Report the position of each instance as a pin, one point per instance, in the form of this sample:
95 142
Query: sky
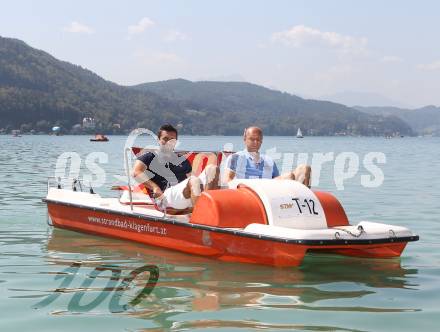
380 51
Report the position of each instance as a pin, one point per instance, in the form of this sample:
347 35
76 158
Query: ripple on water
327 293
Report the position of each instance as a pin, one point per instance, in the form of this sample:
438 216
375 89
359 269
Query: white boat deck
112 204
362 231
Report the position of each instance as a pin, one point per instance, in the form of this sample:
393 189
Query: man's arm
231 168
139 175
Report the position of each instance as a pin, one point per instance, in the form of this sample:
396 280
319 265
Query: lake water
58 280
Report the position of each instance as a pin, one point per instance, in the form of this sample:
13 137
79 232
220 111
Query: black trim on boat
239 232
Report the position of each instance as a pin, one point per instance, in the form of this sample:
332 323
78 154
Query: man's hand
228 176
157 193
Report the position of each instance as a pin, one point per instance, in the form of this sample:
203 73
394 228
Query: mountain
34 86
366 99
423 121
38 91
232 106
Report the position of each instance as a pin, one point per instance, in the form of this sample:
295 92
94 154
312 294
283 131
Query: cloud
76 27
391 58
175 35
430 66
141 26
301 36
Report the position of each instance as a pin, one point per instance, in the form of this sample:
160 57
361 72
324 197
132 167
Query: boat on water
56 131
299 133
99 138
270 222
16 133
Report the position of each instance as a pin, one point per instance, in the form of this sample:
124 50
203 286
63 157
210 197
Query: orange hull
223 244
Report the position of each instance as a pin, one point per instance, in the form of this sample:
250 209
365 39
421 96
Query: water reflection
190 283
213 324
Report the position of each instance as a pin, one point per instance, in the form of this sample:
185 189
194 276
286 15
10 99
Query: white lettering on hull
128 225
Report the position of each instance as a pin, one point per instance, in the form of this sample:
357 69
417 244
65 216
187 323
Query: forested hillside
38 91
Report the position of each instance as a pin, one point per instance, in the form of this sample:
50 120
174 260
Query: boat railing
77 183
127 151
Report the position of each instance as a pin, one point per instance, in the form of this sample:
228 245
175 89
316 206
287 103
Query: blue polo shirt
243 164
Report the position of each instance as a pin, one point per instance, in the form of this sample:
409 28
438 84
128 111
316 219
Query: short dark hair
166 127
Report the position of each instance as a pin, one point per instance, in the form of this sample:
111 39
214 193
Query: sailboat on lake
299 133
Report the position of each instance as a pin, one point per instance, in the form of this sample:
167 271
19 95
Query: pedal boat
270 222
99 138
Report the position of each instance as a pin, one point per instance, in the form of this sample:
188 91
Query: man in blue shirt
250 164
